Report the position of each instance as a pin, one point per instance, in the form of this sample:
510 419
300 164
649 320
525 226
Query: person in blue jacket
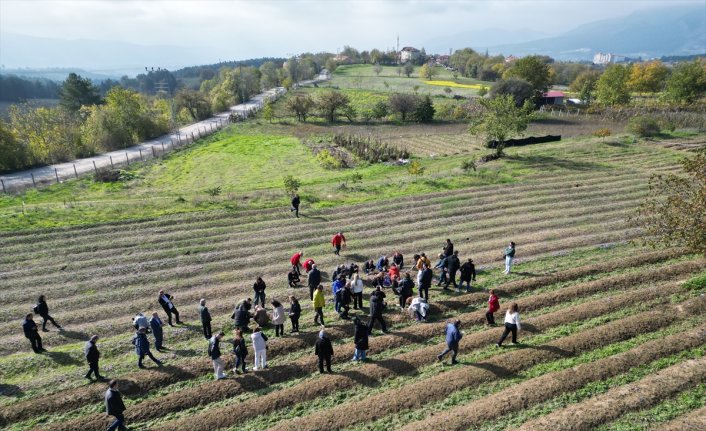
337 285
453 337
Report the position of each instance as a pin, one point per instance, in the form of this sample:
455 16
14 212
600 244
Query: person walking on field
313 281
357 290
205 317
278 317
493 306
442 266
453 337
296 260
259 287
324 350
377 301
425 278
509 254
214 352
156 326
43 310
31 331
406 290
259 344
452 265
240 350
140 321
448 248
360 340
512 324
295 205
319 303
142 348
90 351
114 406
468 274
295 311
166 301
338 241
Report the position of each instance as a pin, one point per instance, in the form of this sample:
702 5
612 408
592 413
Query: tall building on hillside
604 58
409 53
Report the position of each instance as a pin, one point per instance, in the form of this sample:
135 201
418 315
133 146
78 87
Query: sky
246 29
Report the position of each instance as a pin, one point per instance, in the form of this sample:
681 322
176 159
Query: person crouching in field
509 255
453 337
493 306
512 324
259 344
295 311
278 317
240 350
293 278
295 260
241 315
142 348
324 350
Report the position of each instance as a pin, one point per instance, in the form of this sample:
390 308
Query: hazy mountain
109 58
481 39
678 30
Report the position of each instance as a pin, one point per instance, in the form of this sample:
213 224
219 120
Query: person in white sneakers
512 324
509 254
259 344
214 351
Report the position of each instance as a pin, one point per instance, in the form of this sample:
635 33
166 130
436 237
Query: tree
330 102
428 72
585 85
13 155
268 112
532 69
300 105
612 86
424 110
647 77
50 135
377 69
674 212
500 120
402 104
379 110
269 77
291 184
77 91
518 88
331 65
408 69
687 82
194 102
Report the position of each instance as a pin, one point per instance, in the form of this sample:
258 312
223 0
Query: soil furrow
693 421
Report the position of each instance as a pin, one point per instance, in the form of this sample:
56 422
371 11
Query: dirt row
693 421
548 386
137 383
645 393
213 391
373 373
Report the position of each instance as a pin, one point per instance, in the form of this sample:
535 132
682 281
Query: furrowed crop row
550 385
143 382
435 388
694 421
603 408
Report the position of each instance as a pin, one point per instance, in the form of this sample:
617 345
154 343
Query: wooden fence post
162 146
127 159
192 137
33 182
75 171
3 185
95 168
56 173
111 162
154 155
140 150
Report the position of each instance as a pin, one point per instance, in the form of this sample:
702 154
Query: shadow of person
10 390
63 358
74 335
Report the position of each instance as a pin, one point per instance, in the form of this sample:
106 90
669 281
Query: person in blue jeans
335 287
360 339
114 406
453 337
259 288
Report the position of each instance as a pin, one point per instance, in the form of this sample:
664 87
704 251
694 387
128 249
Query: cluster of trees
16 89
377 56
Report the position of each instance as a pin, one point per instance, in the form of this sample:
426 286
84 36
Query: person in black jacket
259 287
295 311
165 300
377 300
425 282
293 278
295 205
313 281
468 274
324 350
242 315
43 310
240 350
92 355
114 406
157 332
452 264
214 352
32 333
406 290
398 259
205 317
344 300
360 340
448 248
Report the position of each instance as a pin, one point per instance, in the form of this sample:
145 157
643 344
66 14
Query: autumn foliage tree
647 77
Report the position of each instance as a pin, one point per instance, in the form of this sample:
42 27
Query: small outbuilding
552 98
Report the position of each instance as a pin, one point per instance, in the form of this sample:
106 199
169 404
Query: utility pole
162 90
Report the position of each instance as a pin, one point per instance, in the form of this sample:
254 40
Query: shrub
482 91
327 160
356 177
602 133
107 175
469 165
696 283
291 184
415 168
213 191
643 126
369 149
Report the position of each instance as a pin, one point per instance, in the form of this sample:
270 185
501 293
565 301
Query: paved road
51 174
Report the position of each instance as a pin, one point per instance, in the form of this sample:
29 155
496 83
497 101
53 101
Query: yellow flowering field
454 84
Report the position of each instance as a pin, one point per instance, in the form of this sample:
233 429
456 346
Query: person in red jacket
394 271
296 261
308 264
338 241
493 306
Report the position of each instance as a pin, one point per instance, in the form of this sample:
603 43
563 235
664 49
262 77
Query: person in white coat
278 317
259 344
357 289
512 324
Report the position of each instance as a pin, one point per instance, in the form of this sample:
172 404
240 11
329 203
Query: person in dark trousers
360 340
452 265
319 302
338 241
368 267
205 317
468 274
313 281
259 287
453 336
295 205
448 248
493 306
293 278
398 259
31 331
295 311
114 406
241 315
142 348
296 261
357 291
165 300
278 317
324 350
240 350
156 326
90 351
344 300
441 265
512 324
425 282
377 301
43 310
406 290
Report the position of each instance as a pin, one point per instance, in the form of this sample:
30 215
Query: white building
408 53
604 58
